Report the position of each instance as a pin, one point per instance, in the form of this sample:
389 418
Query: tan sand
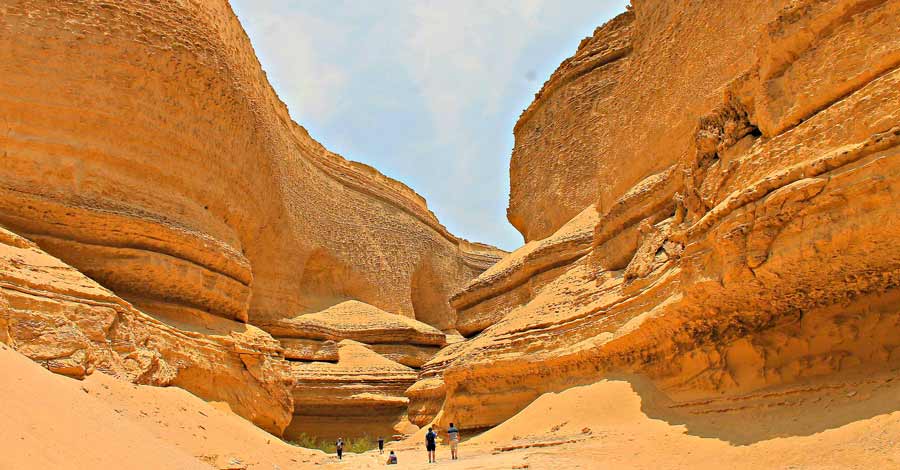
54 422
603 426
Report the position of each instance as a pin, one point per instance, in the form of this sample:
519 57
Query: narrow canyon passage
708 195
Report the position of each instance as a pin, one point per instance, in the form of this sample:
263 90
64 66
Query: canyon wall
55 315
564 135
731 232
143 147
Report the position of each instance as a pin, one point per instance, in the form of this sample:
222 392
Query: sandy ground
53 422
603 426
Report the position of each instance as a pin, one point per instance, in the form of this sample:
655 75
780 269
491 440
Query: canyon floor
604 425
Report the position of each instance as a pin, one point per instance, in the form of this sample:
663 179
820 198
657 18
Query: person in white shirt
453 434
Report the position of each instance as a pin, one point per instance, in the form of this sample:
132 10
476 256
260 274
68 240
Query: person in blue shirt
392 459
453 434
431 445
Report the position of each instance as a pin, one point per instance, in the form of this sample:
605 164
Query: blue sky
425 91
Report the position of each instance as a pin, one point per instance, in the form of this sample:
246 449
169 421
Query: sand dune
55 422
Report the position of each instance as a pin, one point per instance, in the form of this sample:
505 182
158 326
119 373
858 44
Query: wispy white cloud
288 45
466 51
427 91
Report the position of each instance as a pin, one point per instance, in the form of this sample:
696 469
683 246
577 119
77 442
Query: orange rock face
564 135
352 364
741 240
143 147
65 321
362 392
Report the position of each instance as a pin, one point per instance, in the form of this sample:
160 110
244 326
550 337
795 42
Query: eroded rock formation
352 364
143 146
731 232
362 391
55 315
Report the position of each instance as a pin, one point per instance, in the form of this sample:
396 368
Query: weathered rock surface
357 321
512 281
143 146
362 391
709 193
314 336
65 321
564 135
748 201
352 365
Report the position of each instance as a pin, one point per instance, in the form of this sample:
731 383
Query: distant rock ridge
362 392
369 180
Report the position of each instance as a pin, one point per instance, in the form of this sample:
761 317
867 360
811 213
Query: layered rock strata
55 315
314 336
745 245
562 137
352 364
144 146
361 393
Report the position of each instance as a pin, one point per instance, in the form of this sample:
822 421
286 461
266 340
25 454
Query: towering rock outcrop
58 317
564 136
143 146
741 244
146 136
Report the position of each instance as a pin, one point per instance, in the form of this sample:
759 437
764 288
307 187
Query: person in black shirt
431 445
381 444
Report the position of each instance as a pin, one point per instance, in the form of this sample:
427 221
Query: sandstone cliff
65 321
144 148
721 217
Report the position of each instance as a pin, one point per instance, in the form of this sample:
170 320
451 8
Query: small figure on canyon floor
431 445
453 434
381 444
392 459
339 445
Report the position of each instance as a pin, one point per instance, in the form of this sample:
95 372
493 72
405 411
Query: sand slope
603 426
54 422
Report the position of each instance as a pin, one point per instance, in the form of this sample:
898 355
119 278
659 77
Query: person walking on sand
339 445
392 459
431 445
453 434
381 445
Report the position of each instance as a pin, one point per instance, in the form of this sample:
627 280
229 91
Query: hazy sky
427 92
